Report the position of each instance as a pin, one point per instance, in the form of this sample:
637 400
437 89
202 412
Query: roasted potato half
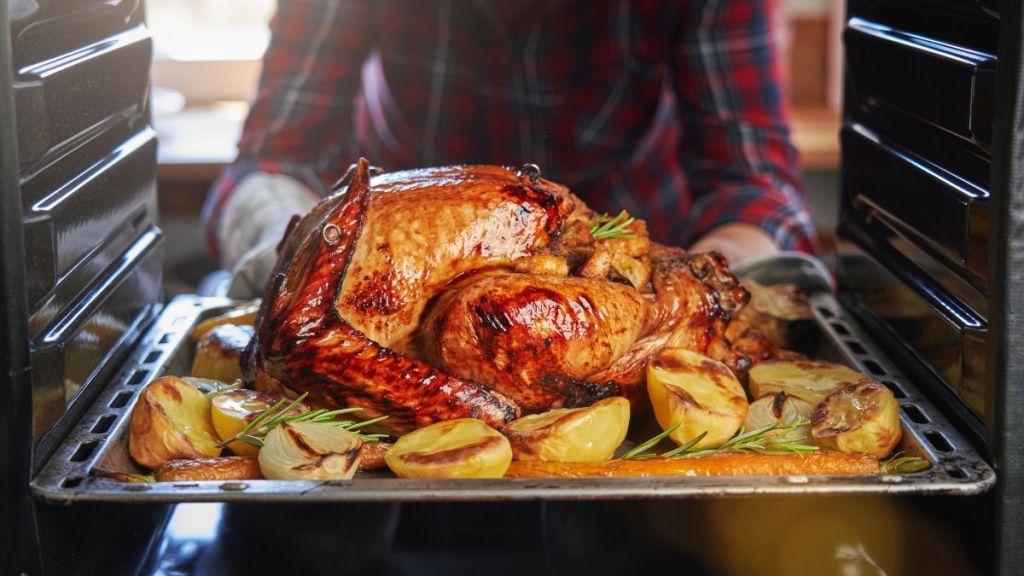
811 380
205 469
862 418
588 434
784 409
461 448
171 421
219 352
700 394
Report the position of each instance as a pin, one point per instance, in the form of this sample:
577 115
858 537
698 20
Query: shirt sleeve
300 123
735 144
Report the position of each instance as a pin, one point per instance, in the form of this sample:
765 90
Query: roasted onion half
309 451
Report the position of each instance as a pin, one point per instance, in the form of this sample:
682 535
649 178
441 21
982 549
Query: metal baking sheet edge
957 470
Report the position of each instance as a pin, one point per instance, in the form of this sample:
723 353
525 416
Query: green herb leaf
233 386
904 465
366 423
753 441
637 453
686 446
255 431
251 440
605 227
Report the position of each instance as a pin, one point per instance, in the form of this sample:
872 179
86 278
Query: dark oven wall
916 152
87 158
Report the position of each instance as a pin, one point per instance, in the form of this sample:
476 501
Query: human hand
737 242
252 224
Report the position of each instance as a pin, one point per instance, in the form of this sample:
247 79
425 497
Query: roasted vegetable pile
791 416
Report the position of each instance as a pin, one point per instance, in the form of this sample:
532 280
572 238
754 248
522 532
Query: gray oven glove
251 226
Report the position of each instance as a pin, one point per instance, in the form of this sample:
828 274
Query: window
208 50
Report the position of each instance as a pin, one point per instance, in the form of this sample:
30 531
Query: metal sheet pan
100 440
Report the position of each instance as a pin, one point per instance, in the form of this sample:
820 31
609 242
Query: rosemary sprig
752 441
685 447
605 226
233 386
904 465
255 431
639 452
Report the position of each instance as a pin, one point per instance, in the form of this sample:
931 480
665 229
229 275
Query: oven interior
931 181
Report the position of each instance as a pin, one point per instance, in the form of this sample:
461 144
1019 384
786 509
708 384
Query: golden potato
862 418
206 469
811 380
244 315
700 394
784 409
171 421
219 352
461 448
588 434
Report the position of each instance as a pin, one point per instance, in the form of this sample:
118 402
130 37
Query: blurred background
207 63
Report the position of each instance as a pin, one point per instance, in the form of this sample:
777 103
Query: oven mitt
807 272
252 224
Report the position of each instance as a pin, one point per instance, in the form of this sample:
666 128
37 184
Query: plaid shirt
672 110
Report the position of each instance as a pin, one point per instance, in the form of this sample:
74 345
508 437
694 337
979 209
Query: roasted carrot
813 463
371 455
226 468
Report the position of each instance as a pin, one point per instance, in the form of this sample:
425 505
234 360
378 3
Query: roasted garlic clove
783 409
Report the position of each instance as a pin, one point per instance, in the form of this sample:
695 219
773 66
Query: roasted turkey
477 291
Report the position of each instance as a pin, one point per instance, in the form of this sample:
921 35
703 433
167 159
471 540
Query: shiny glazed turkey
476 291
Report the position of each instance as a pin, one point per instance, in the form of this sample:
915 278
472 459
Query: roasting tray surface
99 440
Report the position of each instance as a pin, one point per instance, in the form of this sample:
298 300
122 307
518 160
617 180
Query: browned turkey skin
477 291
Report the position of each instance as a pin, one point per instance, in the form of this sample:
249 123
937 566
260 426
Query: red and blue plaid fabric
672 110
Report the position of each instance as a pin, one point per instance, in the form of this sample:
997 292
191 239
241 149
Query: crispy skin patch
377 294
535 338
